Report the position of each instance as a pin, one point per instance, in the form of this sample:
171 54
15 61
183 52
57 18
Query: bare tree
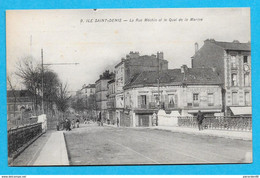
29 71
62 100
12 89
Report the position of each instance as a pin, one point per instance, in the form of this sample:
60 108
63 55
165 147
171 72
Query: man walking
200 118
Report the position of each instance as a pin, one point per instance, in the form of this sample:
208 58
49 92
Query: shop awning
246 110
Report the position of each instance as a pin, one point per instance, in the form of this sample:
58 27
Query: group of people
68 124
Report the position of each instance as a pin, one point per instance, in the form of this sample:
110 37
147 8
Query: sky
98 39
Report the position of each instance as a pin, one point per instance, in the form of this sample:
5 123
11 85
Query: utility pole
43 74
42 80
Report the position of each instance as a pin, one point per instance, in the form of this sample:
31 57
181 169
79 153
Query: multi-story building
232 62
88 90
127 69
111 101
101 93
186 90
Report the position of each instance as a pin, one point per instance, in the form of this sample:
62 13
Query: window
234 98
247 98
233 62
210 99
143 99
196 97
245 60
246 79
171 100
233 79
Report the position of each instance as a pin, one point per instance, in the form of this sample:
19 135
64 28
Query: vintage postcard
129 86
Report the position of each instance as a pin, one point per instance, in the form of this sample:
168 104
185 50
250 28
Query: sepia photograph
162 86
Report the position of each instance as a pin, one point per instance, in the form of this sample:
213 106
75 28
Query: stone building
185 90
232 62
88 90
127 69
111 101
101 93
19 105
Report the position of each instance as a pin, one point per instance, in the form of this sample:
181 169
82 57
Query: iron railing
18 137
236 123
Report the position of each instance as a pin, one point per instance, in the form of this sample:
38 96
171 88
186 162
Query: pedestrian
73 123
67 124
99 119
117 122
77 123
200 118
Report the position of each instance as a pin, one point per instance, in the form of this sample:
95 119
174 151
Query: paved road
93 145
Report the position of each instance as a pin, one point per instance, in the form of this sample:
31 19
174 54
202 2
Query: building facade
127 70
232 62
111 102
101 93
88 90
19 105
185 90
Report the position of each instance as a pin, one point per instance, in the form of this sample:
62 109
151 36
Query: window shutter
166 98
152 98
139 101
176 100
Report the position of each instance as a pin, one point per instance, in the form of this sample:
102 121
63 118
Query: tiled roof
199 76
234 45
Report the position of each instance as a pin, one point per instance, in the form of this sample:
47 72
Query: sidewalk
217 133
54 152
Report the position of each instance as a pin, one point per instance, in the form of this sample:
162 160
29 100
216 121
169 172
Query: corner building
232 62
126 70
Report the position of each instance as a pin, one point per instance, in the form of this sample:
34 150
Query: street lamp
48 64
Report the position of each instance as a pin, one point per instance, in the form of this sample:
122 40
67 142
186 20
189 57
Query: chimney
183 68
160 55
133 54
214 69
209 40
196 47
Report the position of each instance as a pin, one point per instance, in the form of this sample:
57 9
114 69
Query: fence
18 137
222 123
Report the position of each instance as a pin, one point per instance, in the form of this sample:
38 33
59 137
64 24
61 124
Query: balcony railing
219 123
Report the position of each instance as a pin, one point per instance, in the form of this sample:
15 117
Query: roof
234 45
198 76
19 93
91 86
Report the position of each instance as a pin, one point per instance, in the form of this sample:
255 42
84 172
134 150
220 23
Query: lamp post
48 64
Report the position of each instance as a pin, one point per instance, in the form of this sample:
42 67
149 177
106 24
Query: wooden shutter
176 100
139 101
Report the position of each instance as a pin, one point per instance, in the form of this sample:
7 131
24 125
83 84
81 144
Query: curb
67 152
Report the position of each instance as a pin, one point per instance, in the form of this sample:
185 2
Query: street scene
141 90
